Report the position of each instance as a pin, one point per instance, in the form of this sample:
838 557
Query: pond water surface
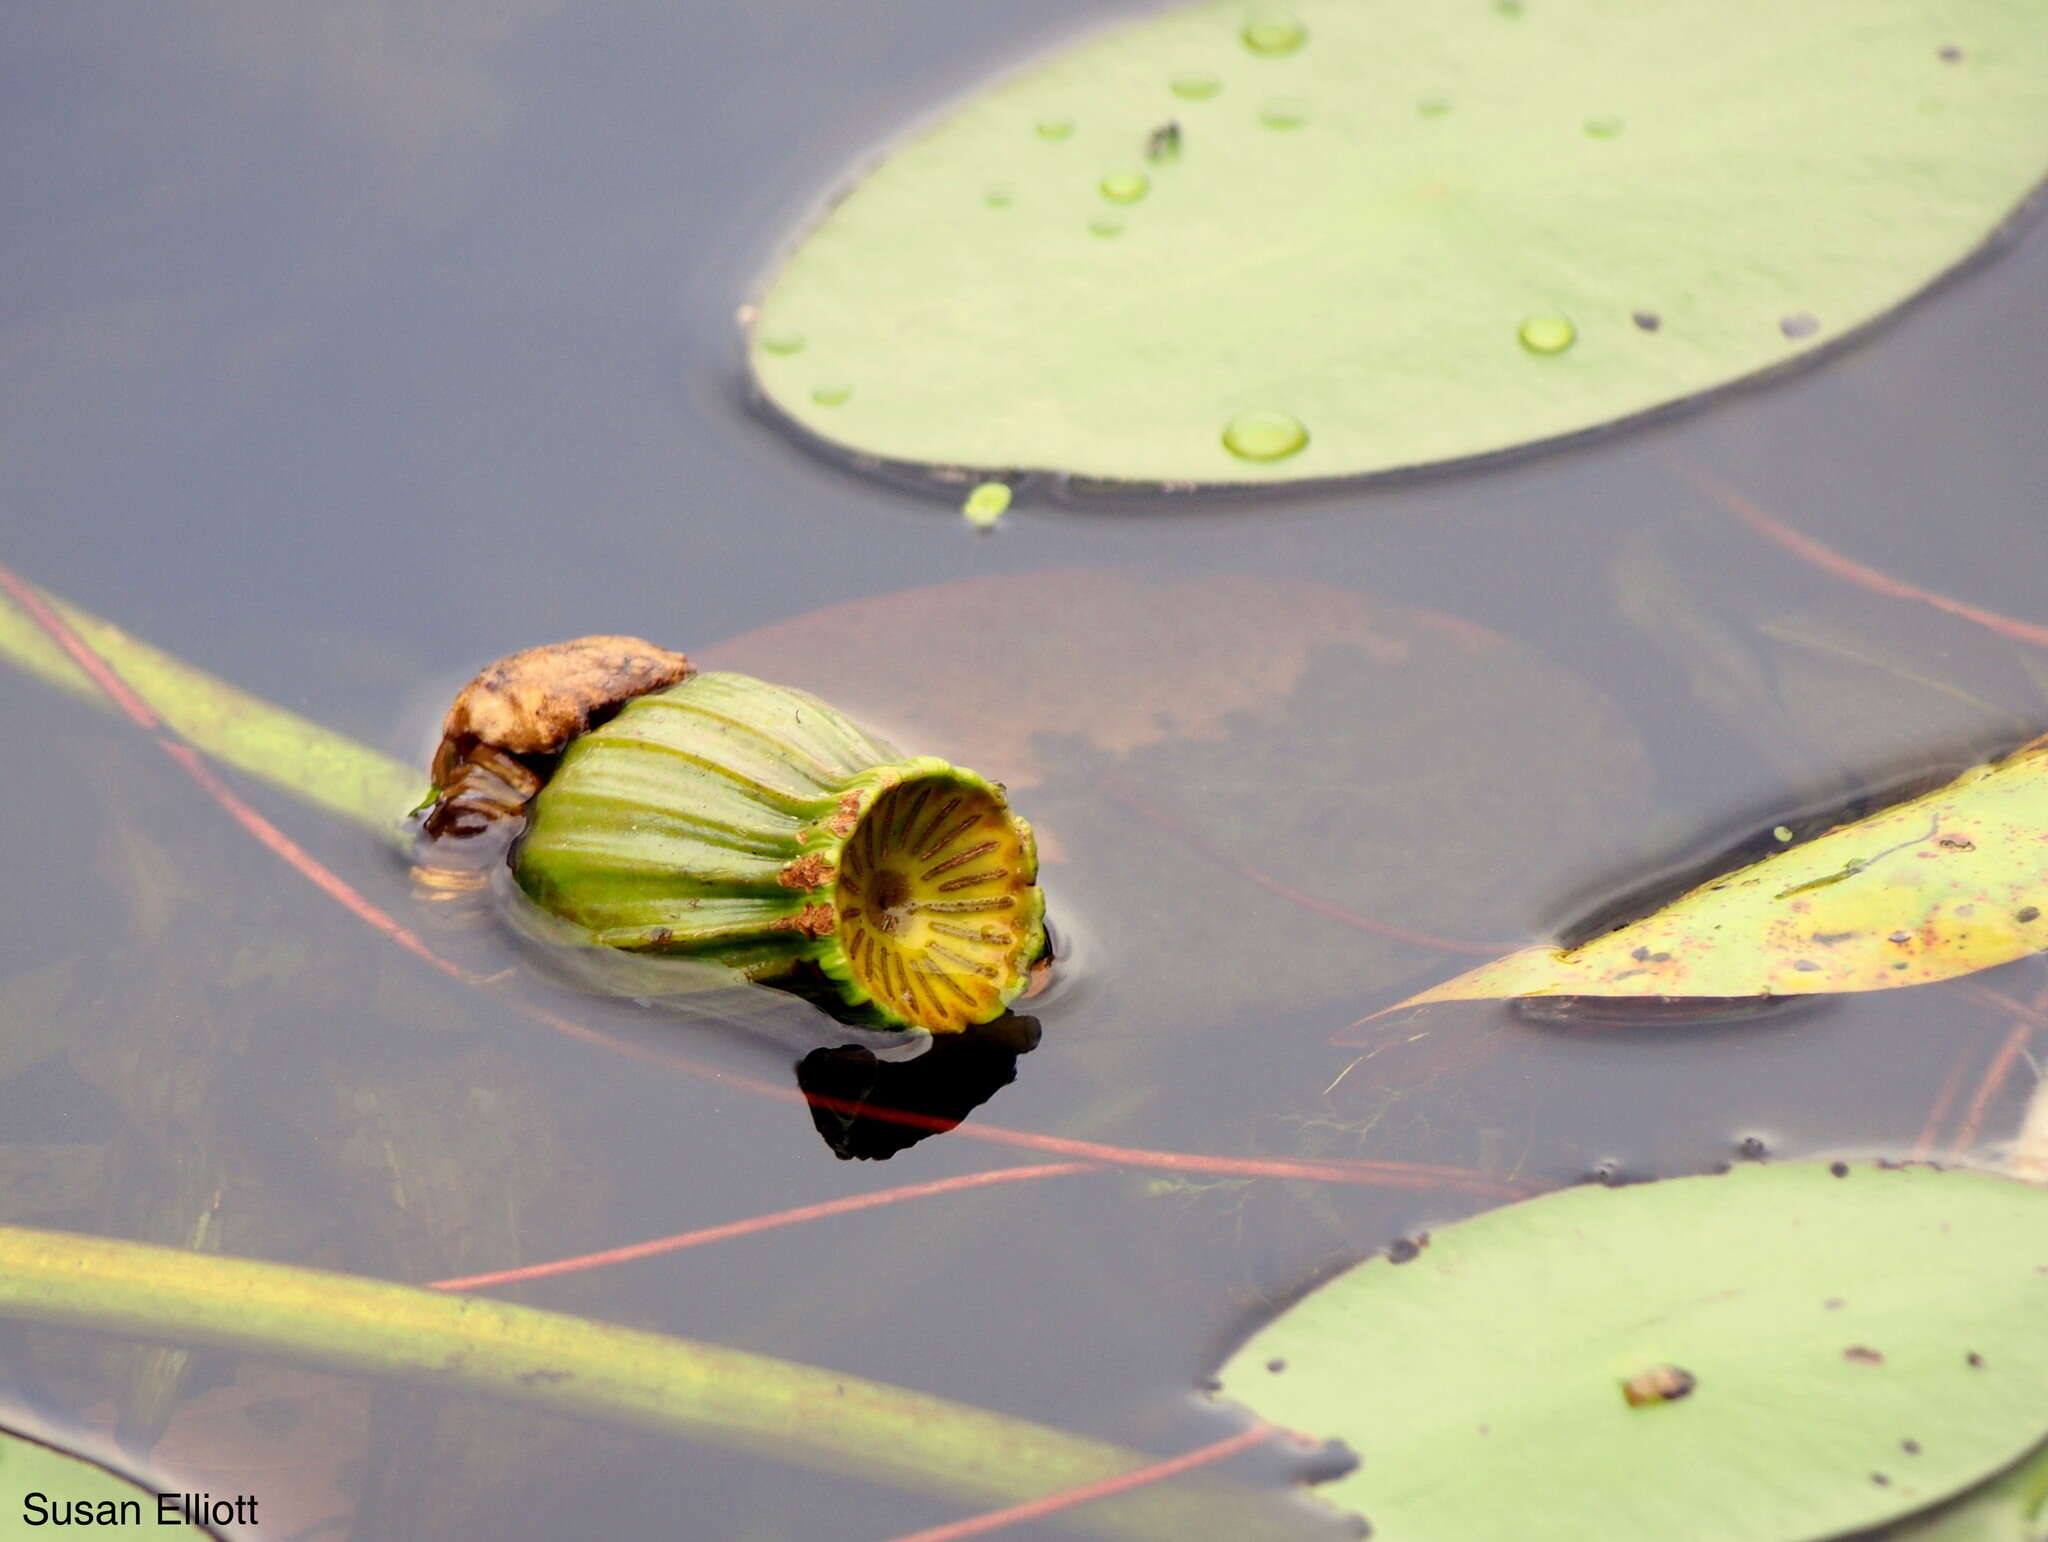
347 349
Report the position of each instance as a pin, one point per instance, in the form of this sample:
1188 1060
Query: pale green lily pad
1419 234
39 1481
1863 1346
2013 1509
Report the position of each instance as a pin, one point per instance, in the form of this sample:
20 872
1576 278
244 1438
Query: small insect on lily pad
1780 1354
1413 234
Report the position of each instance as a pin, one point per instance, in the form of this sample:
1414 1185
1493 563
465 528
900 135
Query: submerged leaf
1415 234
1941 885
1236 780
1779 1354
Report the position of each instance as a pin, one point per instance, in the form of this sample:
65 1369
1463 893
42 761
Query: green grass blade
316 765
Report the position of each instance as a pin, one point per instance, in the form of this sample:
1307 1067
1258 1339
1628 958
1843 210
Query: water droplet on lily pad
1604 128
782 342
1284 113
1264 435
1273 33
1125 186
1548 334
999 198
1366 175
986 505
1054 128
831 395
1799 324
1105 227
1507 7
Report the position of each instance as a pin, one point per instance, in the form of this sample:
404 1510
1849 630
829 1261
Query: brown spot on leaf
812 921
807 872
842 820
1862 1354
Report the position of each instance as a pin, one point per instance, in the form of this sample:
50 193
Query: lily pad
1232 245
56 1488
1837 1346
2009 1510
1938 886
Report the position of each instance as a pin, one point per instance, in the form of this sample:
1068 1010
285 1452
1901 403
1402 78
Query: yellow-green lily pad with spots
1941 885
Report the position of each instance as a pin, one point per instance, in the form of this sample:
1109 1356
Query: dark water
346 350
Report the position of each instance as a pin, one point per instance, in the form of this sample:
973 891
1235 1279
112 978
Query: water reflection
869 1108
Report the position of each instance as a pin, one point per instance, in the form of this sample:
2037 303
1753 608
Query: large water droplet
986 505
1054 128
1604 128
1264 435
1195 87
1548 334
1273 33
782 342
1125 186
1284 113
831 395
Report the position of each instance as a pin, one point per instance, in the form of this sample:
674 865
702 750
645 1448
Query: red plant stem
2037 1013
1296 896
144 717
2029 1017
1829 560
1930 1132
1088 1493
761 1223
1994 1078
1380 1174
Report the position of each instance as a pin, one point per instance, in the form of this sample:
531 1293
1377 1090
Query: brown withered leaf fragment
534 702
